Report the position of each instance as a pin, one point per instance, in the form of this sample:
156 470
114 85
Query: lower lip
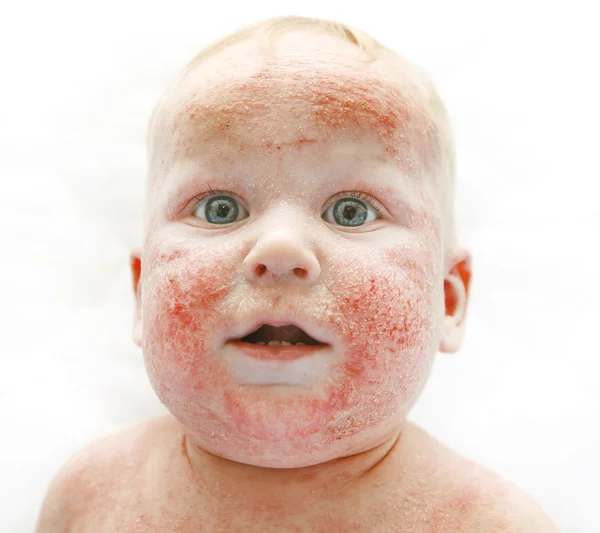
277 353
287 366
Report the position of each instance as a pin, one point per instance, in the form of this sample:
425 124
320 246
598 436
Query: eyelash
361 195
354 193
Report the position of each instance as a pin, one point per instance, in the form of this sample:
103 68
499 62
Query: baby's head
300 189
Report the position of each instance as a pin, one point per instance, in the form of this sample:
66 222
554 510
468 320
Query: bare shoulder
96 475
455 494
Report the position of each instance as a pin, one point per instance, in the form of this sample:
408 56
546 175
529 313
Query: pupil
349 212
222 210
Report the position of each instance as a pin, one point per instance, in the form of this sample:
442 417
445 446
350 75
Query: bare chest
159 495
124 514
235 523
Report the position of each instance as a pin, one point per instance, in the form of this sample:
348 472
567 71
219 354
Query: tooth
286 343
274 343
260 342
300 344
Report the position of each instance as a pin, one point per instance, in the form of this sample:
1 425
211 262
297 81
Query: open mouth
288 335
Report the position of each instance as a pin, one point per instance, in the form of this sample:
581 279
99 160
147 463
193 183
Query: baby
298 274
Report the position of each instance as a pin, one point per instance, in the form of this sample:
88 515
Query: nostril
301 273
260 270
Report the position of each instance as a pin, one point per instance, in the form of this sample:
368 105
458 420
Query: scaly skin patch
270 135
379 304
306 102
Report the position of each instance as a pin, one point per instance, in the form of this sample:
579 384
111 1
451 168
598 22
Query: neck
291 489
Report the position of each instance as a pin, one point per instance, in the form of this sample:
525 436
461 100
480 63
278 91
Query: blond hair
268 30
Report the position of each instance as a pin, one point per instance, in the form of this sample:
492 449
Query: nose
279 256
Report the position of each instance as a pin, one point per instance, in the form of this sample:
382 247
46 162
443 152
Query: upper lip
246 326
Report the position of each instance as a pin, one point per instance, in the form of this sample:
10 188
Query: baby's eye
220 209
350 212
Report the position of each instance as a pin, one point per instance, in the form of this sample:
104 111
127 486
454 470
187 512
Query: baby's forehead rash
321 102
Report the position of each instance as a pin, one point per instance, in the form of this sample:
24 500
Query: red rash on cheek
379 307
384 314
183 293
384 319
392 311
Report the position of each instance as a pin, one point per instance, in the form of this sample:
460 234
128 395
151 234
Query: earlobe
456 294
135 265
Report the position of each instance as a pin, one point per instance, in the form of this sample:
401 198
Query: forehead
300 97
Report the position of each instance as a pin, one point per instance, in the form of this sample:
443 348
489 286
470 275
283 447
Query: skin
287 136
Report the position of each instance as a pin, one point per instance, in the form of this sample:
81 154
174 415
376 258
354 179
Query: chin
301 453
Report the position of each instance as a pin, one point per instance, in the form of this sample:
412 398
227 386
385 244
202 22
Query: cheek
182 293
380 304
389 314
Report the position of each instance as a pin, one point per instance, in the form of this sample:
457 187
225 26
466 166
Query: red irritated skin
257 133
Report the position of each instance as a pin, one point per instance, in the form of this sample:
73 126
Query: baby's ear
456 292
135 264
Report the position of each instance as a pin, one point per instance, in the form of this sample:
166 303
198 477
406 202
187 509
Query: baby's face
290 192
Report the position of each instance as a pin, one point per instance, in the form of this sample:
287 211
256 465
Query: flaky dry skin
378 290
141 480
286 138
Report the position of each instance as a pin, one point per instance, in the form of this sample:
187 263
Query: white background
520 80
